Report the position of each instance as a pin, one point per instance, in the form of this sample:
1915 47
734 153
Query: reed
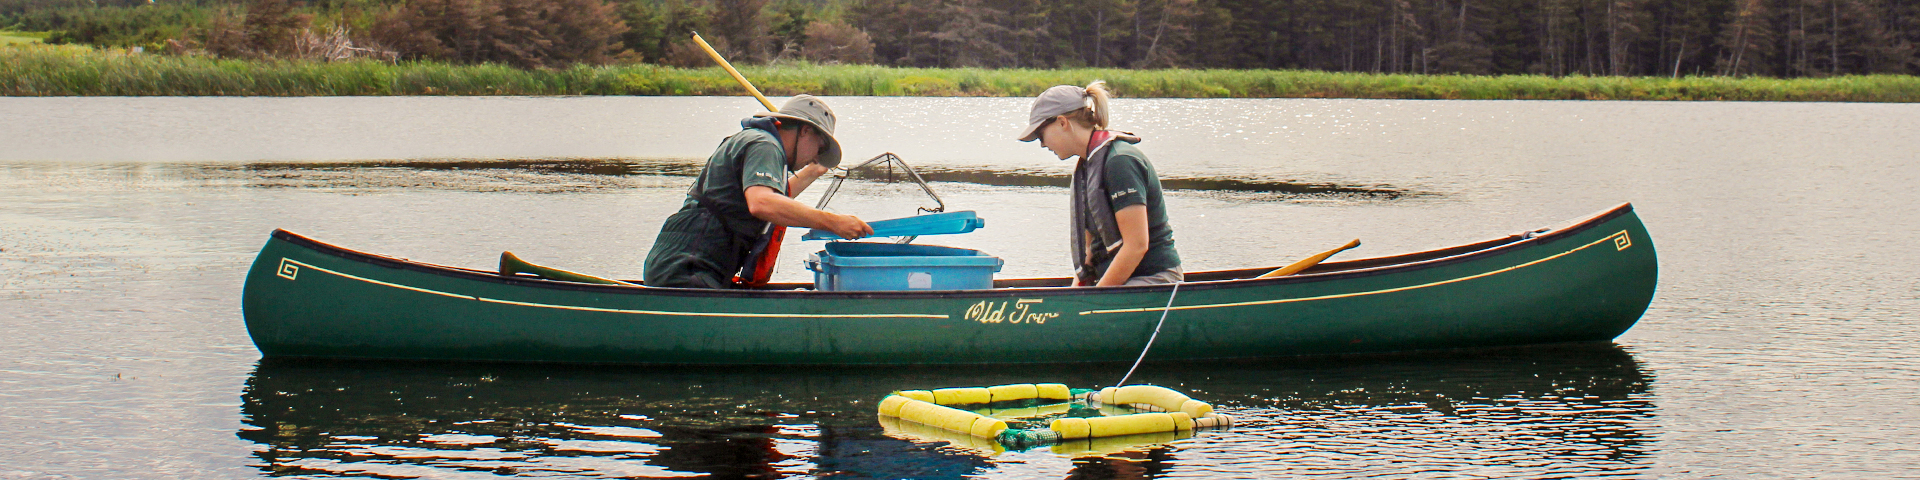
41 70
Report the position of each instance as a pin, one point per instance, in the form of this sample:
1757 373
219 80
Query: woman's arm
1133 245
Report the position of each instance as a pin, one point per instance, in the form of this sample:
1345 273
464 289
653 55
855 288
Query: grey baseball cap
1056 101
813 111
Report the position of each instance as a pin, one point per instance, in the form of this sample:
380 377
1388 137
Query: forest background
1773 38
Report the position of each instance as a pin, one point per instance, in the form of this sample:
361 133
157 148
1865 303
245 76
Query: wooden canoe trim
1362 263
1207 279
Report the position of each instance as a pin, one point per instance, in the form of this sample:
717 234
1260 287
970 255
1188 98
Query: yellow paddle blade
1296 267
511 265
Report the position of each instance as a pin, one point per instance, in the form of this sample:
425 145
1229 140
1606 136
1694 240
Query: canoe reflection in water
1536 411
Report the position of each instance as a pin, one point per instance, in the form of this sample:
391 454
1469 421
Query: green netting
1021 439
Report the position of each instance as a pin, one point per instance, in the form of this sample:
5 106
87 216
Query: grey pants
1171 275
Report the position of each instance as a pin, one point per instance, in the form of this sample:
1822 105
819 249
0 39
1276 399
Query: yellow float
1160 410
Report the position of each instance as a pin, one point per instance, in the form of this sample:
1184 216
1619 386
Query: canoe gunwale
1462 253
1334 271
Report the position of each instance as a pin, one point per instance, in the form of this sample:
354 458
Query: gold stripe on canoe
284 261
1619 240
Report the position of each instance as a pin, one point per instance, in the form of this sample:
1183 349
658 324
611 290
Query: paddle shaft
736 73
1303 264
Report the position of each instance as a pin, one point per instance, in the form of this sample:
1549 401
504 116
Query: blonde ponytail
1093 116
1098 90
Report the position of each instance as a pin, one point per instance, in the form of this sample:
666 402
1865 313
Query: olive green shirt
750 158
708 240
1130 181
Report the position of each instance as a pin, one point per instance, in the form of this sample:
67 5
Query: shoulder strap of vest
757 269
1095 232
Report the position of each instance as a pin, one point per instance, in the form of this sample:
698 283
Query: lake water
1781 342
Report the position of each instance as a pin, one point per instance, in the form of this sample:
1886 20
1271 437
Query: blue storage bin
852 266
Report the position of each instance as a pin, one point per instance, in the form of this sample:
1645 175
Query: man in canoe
745 186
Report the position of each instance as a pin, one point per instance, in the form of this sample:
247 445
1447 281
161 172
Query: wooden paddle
1303 264
761 262
736 73
511 265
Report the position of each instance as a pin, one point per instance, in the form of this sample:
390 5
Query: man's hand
805 177
767 204
847 226
812 171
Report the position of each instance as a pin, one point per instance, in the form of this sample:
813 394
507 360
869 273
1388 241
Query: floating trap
1027 415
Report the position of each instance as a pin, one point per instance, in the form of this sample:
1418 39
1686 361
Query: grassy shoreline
44 70
8 38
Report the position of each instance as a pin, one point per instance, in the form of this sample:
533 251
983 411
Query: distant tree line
1780 38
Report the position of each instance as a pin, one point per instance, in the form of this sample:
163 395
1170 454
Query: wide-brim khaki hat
813 111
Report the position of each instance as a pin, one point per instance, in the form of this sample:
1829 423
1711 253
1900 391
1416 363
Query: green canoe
1587 281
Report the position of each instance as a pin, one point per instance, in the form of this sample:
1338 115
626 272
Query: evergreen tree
970 35
1879 34
1745 40
1464 49
1168 34
741 26
788 25
1553 37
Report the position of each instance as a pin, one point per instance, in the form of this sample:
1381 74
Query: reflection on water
1545 411
566 175
1575 410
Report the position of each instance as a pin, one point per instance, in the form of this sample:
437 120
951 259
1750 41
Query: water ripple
1575 411
588 175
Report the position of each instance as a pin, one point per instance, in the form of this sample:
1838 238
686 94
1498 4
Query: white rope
1156 335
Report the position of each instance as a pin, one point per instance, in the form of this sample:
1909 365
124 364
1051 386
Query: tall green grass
42 70
16 38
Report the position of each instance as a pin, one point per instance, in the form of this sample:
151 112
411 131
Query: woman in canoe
1120 234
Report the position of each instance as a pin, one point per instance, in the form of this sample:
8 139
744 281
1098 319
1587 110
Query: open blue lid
936 224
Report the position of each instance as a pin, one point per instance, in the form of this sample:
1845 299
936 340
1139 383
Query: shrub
522 33
837 42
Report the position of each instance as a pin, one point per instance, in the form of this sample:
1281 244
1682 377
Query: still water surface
1781 343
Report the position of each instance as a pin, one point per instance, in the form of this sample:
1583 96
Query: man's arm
804 178
768 204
